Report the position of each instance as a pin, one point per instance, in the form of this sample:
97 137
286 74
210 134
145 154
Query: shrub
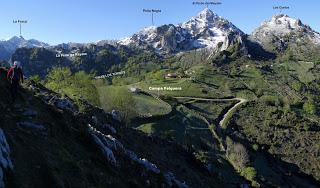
271 100
249 173
101 82
259 92
309 107
76 86
35 78
306 126
241 156
122 100
255 147
296 85
58 78
158 75
286 104
238 155
229 143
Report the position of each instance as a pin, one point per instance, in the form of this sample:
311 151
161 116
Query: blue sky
57 21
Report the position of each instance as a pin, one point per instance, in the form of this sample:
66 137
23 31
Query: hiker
15 75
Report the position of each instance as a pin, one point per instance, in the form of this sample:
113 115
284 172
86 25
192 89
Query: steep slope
206 30
98 59
209 30
7 47
38 60
51 144
282 32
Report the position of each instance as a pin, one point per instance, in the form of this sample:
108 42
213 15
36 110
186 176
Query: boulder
148 165
173 182
116 115
5 160
107 152
63 103
31 126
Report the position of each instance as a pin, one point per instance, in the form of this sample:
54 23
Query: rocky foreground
47 142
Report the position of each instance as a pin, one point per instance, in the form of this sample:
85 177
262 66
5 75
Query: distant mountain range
8 47
206 30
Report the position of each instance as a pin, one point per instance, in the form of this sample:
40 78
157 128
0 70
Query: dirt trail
225 116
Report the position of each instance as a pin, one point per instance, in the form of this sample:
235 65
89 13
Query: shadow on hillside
257 52
271 168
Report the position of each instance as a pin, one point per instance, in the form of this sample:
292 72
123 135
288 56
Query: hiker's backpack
15 75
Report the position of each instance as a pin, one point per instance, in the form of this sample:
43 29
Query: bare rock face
7 47
5 160
282 31
206 30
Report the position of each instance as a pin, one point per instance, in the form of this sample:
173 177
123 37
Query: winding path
225 116
230 111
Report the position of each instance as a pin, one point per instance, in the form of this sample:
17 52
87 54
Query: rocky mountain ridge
206 30
282 32
8 47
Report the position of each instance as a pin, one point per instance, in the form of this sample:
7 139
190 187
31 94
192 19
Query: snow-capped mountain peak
16 39
206 30
282 24
9 46
280 29
207 15
207 19
18 42
285 19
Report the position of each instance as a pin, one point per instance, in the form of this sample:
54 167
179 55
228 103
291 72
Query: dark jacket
10 73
